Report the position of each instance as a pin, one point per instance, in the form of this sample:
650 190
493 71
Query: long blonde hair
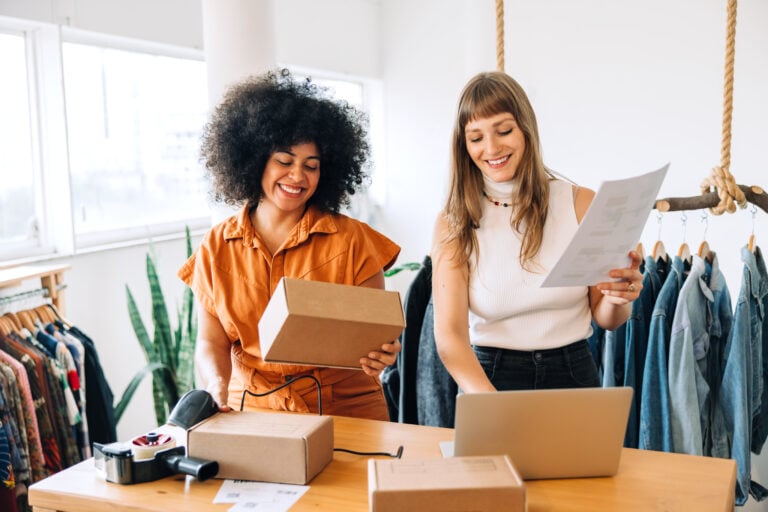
486 95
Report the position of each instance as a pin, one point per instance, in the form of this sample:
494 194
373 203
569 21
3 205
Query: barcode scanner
193 407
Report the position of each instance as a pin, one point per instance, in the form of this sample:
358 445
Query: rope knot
727 190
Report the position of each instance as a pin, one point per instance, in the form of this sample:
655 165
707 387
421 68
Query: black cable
281 386
395 455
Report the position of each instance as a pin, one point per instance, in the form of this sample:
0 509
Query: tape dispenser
147 458
155 455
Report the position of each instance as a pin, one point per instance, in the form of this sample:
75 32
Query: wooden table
646 481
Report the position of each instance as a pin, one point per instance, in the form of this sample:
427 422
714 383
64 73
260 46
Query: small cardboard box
275 447
479 484
327 324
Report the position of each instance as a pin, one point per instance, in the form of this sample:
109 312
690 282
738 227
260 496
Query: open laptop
547 433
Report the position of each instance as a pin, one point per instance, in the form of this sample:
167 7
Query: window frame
373 105
89 242
50 155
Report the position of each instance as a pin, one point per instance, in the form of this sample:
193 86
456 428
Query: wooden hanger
704 251
751 243
27 320
44 314
659 251
6 326
684 252
58 316
639 250
14 320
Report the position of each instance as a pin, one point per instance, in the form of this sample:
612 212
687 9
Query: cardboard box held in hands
327 324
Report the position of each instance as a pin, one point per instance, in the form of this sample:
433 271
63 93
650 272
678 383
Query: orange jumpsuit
233 276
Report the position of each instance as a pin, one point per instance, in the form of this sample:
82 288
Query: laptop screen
547 433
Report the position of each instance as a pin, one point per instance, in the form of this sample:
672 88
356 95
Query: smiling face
291 177
496 145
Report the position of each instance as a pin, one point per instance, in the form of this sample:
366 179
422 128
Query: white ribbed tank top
507 308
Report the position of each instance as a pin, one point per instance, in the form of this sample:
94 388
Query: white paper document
259 496
610 229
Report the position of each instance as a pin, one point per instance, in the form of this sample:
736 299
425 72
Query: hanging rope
730 58
721 178
500 35
719 191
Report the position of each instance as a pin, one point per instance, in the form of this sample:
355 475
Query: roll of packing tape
145 447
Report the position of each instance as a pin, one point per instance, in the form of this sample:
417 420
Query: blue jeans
571 366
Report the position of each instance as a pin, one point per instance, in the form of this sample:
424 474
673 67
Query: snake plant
170 351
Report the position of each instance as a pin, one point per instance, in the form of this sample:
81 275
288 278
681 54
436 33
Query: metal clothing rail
28 294
51 278
17 297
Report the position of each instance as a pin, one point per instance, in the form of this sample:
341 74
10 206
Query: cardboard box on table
327 324
479 484
278 447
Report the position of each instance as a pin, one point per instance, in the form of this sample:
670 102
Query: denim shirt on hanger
636 345
759 320
612 358
742 387
700 330
655 433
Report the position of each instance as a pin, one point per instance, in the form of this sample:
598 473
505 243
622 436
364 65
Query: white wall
619 88
168 21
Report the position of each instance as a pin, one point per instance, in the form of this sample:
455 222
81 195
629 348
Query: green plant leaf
412 265
188 238
185 372
163 338
138 328
133 385
170 354
165 392
159 401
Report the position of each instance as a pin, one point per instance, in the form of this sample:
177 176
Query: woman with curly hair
291 157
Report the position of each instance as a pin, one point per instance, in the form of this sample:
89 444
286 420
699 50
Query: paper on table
262 496
611 227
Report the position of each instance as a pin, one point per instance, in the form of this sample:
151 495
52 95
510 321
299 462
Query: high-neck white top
507 307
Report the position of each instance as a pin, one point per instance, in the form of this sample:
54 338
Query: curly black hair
273 111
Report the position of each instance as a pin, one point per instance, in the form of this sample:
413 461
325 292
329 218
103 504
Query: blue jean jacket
636 345
741 390
655 433
700 330
759 322
612 358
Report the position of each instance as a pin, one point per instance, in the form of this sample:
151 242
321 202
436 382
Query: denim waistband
571 348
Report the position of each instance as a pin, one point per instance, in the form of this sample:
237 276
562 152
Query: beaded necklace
495 202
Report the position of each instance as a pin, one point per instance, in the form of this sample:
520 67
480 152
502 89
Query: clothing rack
754 194
51 280
18 297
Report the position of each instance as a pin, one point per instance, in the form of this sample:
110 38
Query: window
99 140
364 94
134 122
18 203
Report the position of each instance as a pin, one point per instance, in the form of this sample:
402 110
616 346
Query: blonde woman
506 221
